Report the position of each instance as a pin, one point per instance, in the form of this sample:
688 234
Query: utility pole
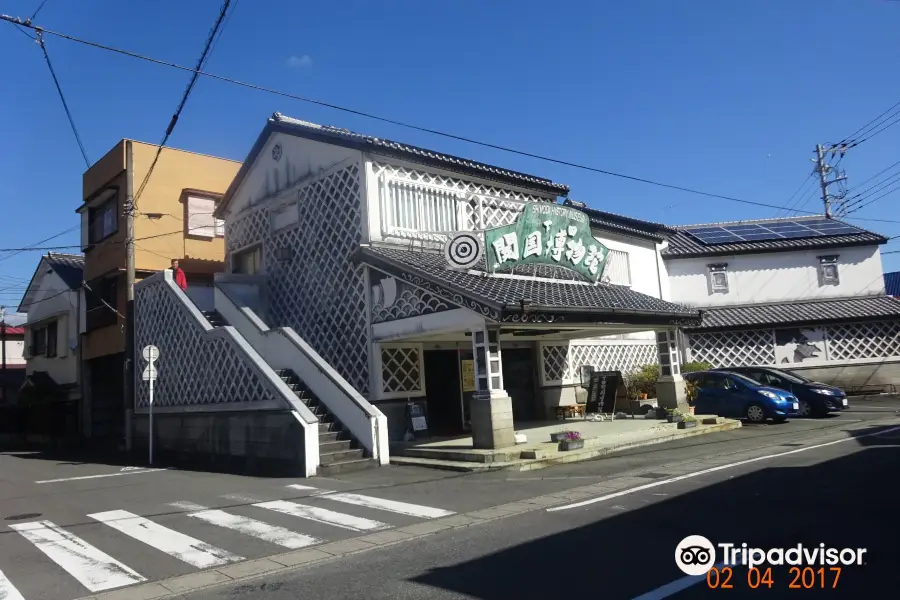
3 344
129 290
823 169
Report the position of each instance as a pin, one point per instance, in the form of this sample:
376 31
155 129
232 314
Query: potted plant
572 441
688 422
674 416
558 436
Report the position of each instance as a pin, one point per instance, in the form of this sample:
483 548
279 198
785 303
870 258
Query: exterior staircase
339 451
215 319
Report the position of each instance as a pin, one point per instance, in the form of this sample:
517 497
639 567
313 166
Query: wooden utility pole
3 344
128 400
823 169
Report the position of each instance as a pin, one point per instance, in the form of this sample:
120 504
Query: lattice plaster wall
402 371
421 205
393 299
843 341
196 367
317 291
562 362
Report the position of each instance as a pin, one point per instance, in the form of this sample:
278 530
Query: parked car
728 394
816 399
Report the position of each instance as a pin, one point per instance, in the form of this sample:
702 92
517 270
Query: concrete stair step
451 465
340 456
346 466
330 436
331 446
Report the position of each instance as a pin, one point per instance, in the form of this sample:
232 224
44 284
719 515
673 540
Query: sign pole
150 354
151 421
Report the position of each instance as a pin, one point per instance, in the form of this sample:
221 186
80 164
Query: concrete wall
261 442
875 374
776 277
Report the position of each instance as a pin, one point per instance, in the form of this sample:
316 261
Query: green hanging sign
547 234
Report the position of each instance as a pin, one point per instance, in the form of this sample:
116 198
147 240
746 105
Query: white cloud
299 62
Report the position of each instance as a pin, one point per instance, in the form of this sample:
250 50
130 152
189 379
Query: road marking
673 587
312 491
242 498
258 529
185 505
93 568
117 474
739 463
183 547
323 515
403 508
7 590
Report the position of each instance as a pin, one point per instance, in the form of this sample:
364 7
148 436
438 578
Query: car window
775 380
792 377
757 376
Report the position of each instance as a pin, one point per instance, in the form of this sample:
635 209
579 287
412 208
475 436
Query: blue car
733 395
816 399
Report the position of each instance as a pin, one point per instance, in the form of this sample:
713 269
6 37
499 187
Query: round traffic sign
150 353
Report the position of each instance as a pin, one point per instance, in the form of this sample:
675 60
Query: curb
249 570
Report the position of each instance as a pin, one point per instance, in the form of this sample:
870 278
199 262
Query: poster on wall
468 375
799 344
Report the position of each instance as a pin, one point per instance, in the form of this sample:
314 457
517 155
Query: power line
401 123
37 10
40 41
16 251
865 129
876 198
187 92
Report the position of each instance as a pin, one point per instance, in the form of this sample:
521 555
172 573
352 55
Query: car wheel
806 410
756 413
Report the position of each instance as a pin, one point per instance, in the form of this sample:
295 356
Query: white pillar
670 391
491 407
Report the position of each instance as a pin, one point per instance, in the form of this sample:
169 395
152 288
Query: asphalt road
623 547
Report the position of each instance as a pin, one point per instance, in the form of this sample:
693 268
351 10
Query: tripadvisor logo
695 555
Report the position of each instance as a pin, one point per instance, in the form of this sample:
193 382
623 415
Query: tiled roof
683 245
15 330
892 283
70 268
499 298
628 225
806 312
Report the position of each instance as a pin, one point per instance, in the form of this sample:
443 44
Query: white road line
403 508
185 505
739 463
323 515
673 587
258 529
7 590
93 568
118 474
183 547
312 491
242 498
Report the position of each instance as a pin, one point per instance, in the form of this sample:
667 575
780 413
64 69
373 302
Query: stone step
330 436
346 466
450 465
331 446
340 456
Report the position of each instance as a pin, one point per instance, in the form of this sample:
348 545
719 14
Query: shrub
693 367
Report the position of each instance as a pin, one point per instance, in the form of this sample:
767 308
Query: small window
200 219
103 221
38 342
247 262
52 339
828 270
284 216
618 269
718 279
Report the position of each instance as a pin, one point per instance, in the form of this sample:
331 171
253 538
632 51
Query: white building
365 274
54 303
805 293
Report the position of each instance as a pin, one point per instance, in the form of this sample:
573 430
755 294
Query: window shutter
201 222
85 229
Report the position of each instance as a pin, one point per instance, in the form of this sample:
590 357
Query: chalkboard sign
602 391
416 421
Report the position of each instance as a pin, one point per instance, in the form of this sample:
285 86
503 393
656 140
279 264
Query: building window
103 220
38 342
52 339
828 270
247 262
101 299
200 221
718 279
618 269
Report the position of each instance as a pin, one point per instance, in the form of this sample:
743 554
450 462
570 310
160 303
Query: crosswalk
95 568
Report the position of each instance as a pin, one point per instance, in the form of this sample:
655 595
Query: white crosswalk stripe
403 508
7 590
93 568
323 515
313 491
183 547
258 529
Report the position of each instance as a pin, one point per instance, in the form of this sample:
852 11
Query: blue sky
725 97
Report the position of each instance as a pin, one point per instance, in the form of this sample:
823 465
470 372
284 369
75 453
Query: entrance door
442 392
518 381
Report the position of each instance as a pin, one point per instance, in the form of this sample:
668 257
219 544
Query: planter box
565 445
558 436
674 418
687 424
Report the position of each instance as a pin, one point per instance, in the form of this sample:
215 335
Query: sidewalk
600 438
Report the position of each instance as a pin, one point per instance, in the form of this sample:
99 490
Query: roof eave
668 254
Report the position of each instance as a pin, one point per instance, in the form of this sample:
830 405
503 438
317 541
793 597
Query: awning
515 299
809 312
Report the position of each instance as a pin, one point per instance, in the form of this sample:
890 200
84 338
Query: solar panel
780 230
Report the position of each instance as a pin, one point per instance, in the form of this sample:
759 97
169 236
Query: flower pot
558 436
674 418
687 424
565 445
